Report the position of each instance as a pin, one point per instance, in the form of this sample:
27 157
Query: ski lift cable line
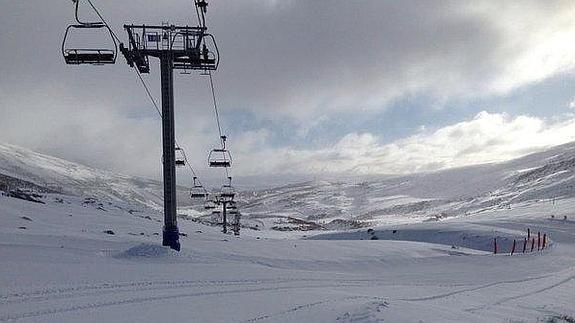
144 84
154 103
215 104
215 101
103 20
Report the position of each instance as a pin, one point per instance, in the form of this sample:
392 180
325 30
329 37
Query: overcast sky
305 87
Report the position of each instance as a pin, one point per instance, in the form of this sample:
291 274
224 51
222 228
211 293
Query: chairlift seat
196 195
227 196
89 56
223 163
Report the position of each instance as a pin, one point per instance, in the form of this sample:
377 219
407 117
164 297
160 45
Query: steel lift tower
177 48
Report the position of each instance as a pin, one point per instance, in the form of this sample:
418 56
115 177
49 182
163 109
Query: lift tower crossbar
177 47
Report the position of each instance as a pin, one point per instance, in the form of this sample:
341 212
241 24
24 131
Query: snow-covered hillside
538 178
72 261
63 176
94 254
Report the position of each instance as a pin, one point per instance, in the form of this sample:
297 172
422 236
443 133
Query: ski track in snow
138 300
522 295
439 296
314 304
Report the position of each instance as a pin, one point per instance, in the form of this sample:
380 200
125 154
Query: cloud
485 138
286 60
313 58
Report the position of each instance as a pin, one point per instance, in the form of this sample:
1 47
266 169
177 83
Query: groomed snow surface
72 261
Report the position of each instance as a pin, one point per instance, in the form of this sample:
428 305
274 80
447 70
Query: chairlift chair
76 55
198 191
232 205
217 217
180 157
220 157
227 191
209 204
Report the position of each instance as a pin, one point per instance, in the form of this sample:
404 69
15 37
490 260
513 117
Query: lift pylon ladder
177 48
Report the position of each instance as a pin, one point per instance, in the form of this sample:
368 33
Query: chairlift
220 157
217 217
232 206
198 191
77 55
209 204
180 157
227 191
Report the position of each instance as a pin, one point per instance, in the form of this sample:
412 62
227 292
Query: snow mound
147 251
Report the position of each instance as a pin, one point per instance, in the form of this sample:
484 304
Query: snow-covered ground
61 264
407 249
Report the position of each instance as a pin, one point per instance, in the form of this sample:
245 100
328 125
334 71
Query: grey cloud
297 59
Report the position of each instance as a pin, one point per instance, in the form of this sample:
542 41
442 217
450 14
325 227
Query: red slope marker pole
524 244
538 240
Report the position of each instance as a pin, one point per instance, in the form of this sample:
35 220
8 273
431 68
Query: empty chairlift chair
227 193
220 157
217 217
232 206
180 158
198 191
209 204
75 54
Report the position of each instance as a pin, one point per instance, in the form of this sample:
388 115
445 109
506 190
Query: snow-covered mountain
62 176
537 178
102 261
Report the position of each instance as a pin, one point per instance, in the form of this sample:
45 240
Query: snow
66 269
147 250
60 262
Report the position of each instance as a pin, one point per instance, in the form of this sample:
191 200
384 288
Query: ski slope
406 249
64 267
